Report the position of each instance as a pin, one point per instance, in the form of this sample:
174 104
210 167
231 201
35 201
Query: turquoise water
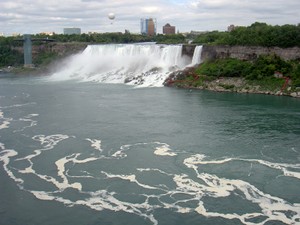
91 153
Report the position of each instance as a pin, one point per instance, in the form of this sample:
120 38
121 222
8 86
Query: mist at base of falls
135 64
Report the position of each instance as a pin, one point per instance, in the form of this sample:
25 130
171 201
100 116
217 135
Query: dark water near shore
89 153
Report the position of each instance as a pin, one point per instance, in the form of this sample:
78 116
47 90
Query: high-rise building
72 30
168 29
148 26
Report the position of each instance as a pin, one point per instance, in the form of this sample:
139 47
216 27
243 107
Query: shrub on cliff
266 66
296 74
224 68
263 68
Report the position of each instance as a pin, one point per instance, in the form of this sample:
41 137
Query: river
74 152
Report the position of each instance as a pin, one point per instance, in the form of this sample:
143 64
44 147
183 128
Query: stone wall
247 52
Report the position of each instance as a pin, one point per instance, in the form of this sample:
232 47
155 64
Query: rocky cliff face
62 49
248 52
188 50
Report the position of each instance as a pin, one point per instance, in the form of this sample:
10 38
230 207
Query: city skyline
25 16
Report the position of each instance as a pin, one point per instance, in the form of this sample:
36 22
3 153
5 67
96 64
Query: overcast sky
36 16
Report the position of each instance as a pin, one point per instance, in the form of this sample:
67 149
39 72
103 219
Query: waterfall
197 55
136 64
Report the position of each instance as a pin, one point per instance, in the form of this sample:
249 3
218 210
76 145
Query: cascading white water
197 55
137 64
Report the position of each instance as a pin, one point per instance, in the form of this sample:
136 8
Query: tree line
257 34
105 38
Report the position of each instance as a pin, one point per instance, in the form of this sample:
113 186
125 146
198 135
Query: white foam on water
5 156
144 65
164 150
272 207
285 168
194 187
119 154
42 195
103 199
161 149
17 105
96 144
4 125
131 178
4 122
153 170
48 143
29 119
60 164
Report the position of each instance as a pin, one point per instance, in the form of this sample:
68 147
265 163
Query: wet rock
295 94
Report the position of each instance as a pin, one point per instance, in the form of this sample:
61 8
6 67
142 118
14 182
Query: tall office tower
148 26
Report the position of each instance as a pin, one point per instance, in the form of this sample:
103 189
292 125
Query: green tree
8 55
257 34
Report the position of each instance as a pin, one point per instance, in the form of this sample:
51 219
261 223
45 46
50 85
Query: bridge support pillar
27 46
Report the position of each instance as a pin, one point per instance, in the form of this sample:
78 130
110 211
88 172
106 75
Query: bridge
27 47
